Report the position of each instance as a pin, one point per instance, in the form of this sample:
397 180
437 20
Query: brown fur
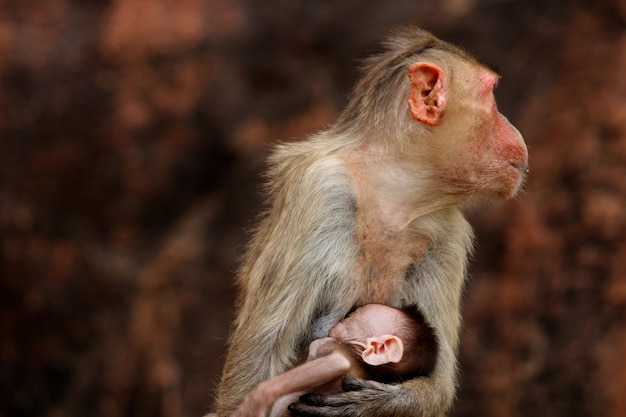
369 211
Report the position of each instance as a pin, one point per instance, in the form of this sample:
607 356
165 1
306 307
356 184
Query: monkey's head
473 148
435 103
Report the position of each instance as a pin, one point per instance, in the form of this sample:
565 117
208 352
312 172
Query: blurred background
132 141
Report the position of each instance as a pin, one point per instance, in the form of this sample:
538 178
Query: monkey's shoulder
305 173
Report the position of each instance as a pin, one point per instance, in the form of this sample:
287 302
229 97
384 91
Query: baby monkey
375 342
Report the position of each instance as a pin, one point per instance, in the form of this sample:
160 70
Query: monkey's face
479 151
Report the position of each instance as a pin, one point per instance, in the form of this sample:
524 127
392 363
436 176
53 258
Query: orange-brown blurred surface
132 138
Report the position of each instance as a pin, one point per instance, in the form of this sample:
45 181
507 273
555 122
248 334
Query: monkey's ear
427 98
382 350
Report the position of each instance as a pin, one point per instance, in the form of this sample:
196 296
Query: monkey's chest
385 262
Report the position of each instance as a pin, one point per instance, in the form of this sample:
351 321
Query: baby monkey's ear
383 349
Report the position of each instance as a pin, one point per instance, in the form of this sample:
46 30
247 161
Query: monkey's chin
515 184
506 186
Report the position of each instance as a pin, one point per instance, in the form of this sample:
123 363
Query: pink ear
383 349
427 98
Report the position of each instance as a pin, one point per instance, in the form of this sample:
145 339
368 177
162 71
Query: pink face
483 152
367 321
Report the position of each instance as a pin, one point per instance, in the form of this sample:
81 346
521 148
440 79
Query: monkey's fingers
315 405
354 384
318 400
312 399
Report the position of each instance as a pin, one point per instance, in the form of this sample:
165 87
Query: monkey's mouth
521 167
521 170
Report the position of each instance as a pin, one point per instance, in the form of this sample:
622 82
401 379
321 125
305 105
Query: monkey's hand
361 398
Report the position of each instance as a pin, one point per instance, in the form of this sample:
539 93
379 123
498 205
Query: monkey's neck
394 226
392 193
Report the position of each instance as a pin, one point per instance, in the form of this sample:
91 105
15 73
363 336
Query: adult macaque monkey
368 211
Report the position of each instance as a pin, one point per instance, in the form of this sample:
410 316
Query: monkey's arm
422 396
301 378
